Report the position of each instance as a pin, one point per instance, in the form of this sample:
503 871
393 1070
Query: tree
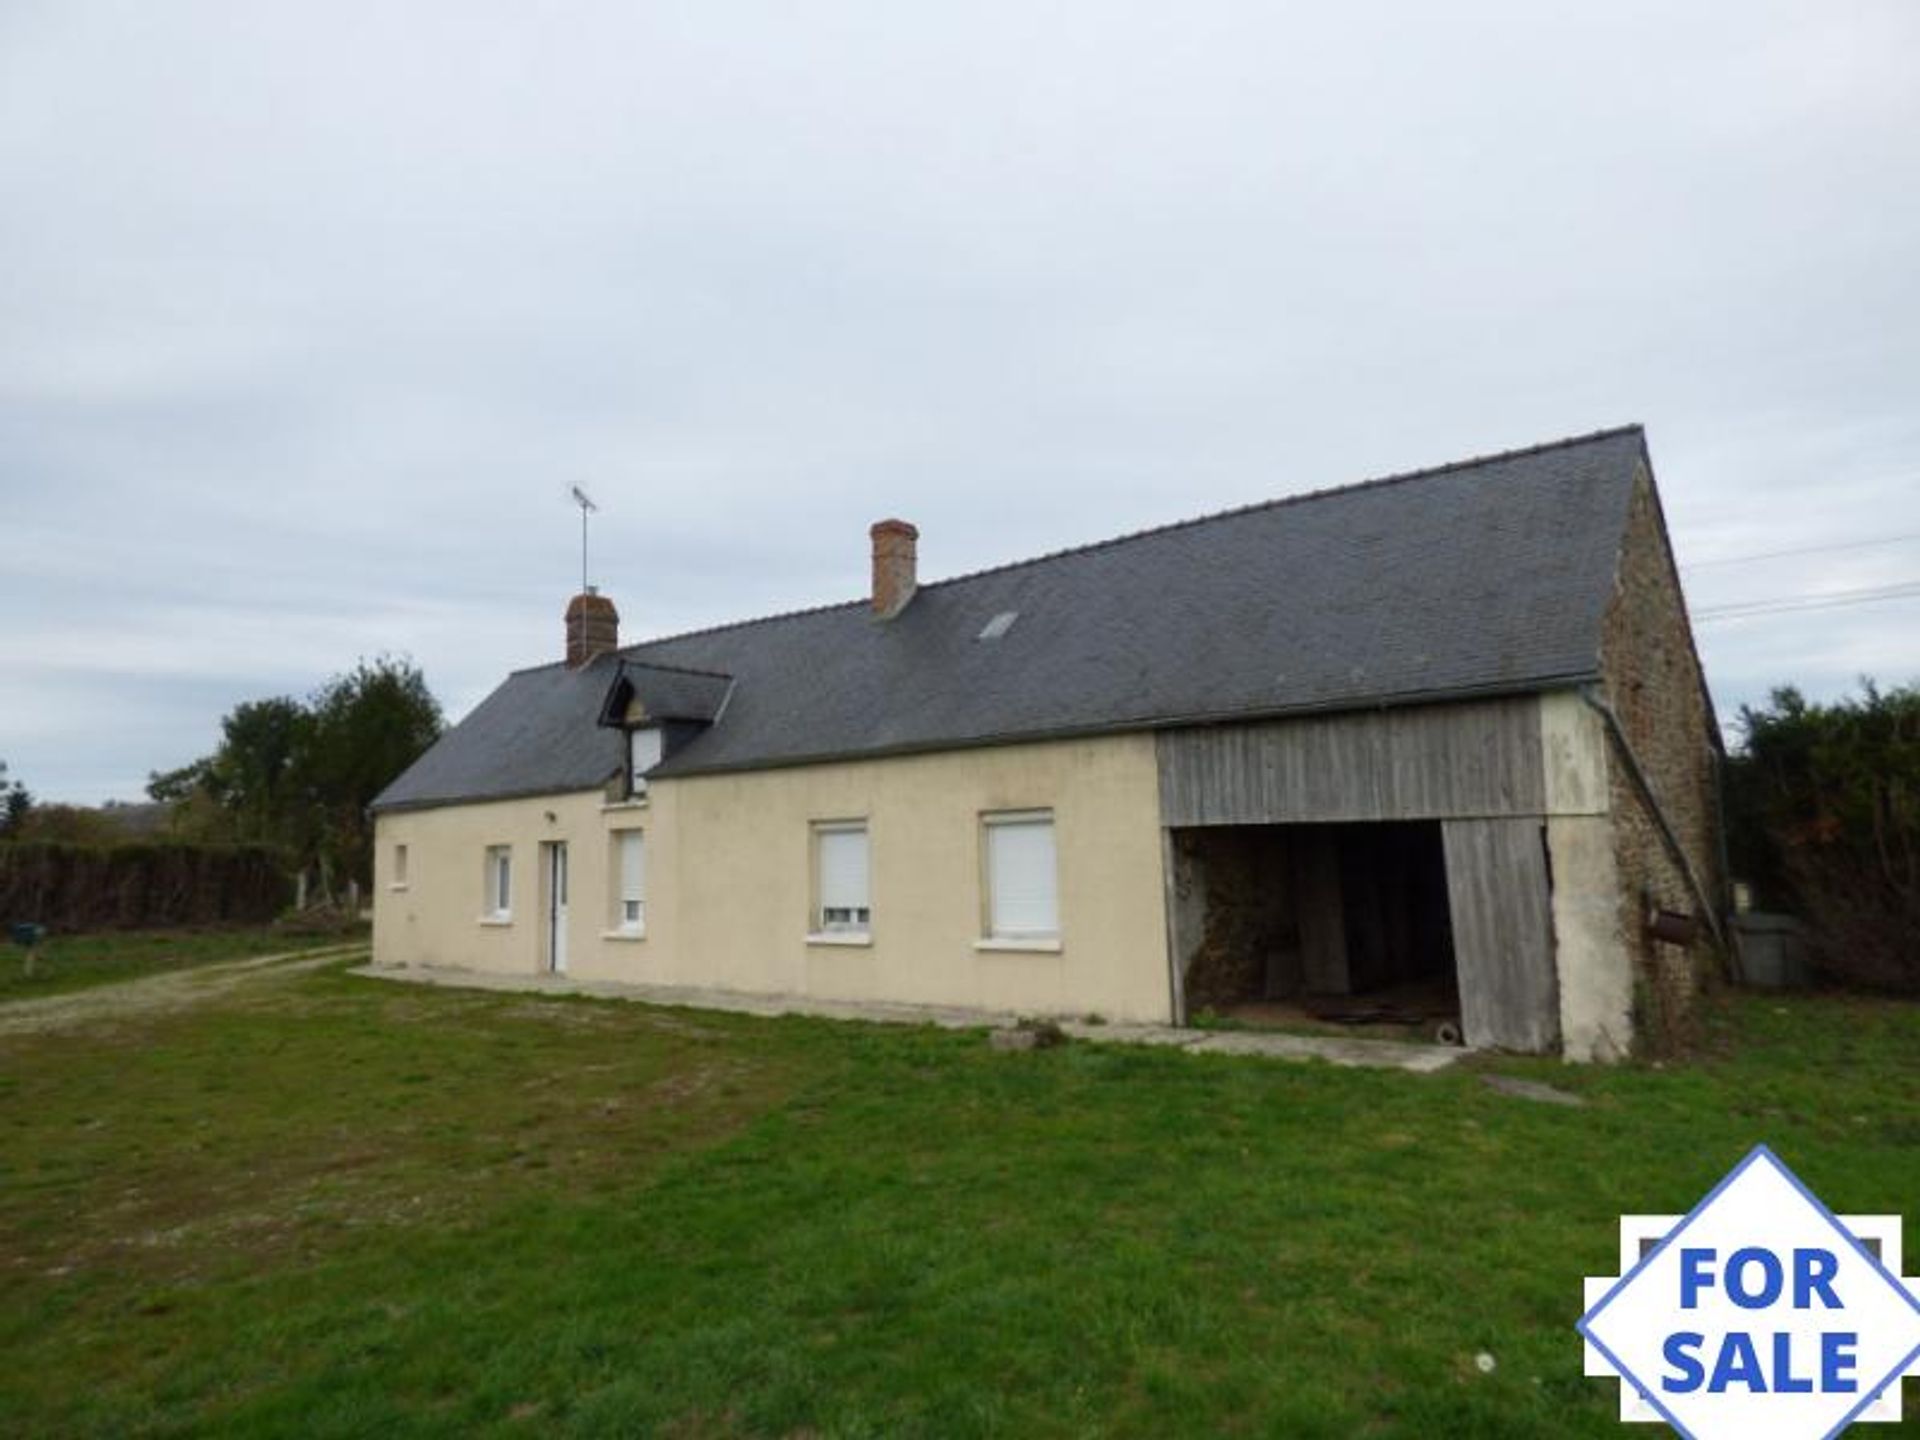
300 776
259 769
15 801
1823 810
366 727
248 790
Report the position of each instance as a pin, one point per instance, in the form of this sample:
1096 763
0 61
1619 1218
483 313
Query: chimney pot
593 628
895 566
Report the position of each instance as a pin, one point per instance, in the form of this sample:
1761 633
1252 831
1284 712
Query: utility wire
1818 599
1831 600
1801 550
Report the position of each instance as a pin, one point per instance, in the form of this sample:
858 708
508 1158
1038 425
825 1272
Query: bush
325 919
1823 808
141 886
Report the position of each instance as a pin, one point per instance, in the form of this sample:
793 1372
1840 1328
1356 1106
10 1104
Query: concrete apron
1335 1050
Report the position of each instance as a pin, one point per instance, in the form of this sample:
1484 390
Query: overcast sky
310 314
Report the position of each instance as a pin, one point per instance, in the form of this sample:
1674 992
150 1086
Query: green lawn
334 1206
65 963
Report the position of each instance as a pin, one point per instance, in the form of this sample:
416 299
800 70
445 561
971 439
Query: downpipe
1669 837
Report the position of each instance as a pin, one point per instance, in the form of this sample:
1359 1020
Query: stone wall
1653 682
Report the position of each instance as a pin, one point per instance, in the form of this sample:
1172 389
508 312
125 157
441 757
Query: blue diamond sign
1761 1314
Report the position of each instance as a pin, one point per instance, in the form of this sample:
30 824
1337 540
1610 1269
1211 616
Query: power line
1830 600
1817 600
1802 550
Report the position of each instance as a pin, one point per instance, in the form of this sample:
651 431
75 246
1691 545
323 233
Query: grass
64 963
333 1206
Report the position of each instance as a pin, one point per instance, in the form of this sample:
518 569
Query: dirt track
161 994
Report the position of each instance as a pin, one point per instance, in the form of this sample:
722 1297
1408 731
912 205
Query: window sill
1035 945
496 920
623 934
830 937
397 886
639 802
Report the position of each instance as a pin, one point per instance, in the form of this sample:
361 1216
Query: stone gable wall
1653 682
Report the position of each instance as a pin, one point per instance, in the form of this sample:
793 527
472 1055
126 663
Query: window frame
857 929
992 936
497 893
400 872
623 927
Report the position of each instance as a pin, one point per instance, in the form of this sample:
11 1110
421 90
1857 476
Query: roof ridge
1398 477
742 624
1300 497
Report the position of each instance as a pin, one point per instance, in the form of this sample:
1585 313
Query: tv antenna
587 507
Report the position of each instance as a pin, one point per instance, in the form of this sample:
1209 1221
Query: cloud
310 317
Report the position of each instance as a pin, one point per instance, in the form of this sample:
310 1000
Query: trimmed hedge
143 886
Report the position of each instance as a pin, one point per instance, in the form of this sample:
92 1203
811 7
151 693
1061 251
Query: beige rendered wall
436 918
729 881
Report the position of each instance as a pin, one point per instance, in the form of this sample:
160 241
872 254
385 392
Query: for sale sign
1761 1314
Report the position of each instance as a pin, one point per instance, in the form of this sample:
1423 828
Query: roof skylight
999 625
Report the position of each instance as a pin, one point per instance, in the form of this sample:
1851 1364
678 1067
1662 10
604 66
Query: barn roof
1485 576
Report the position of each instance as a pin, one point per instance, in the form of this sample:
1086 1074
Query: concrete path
1336 1050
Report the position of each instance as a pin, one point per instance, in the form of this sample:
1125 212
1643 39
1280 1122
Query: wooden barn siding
1425 763
1477 767
1503 933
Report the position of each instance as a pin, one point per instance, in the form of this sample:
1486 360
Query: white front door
557 907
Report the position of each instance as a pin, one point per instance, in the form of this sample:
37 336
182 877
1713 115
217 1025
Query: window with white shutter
841 877
630 918
643 753
1023 895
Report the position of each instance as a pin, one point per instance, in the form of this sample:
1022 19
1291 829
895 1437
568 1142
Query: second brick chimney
593 627
894 566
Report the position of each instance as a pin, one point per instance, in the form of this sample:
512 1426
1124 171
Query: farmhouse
1442 734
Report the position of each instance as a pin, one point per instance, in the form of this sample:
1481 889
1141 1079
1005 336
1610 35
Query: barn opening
1338 922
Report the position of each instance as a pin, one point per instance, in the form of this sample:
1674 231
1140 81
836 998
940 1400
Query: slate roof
1482 577
537 734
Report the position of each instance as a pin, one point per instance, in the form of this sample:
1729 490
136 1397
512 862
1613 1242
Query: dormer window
643 753
645 701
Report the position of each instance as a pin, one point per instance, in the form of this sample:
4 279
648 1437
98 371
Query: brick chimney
894 568
593 627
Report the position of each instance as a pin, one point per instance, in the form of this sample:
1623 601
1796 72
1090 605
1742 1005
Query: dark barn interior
1346 922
